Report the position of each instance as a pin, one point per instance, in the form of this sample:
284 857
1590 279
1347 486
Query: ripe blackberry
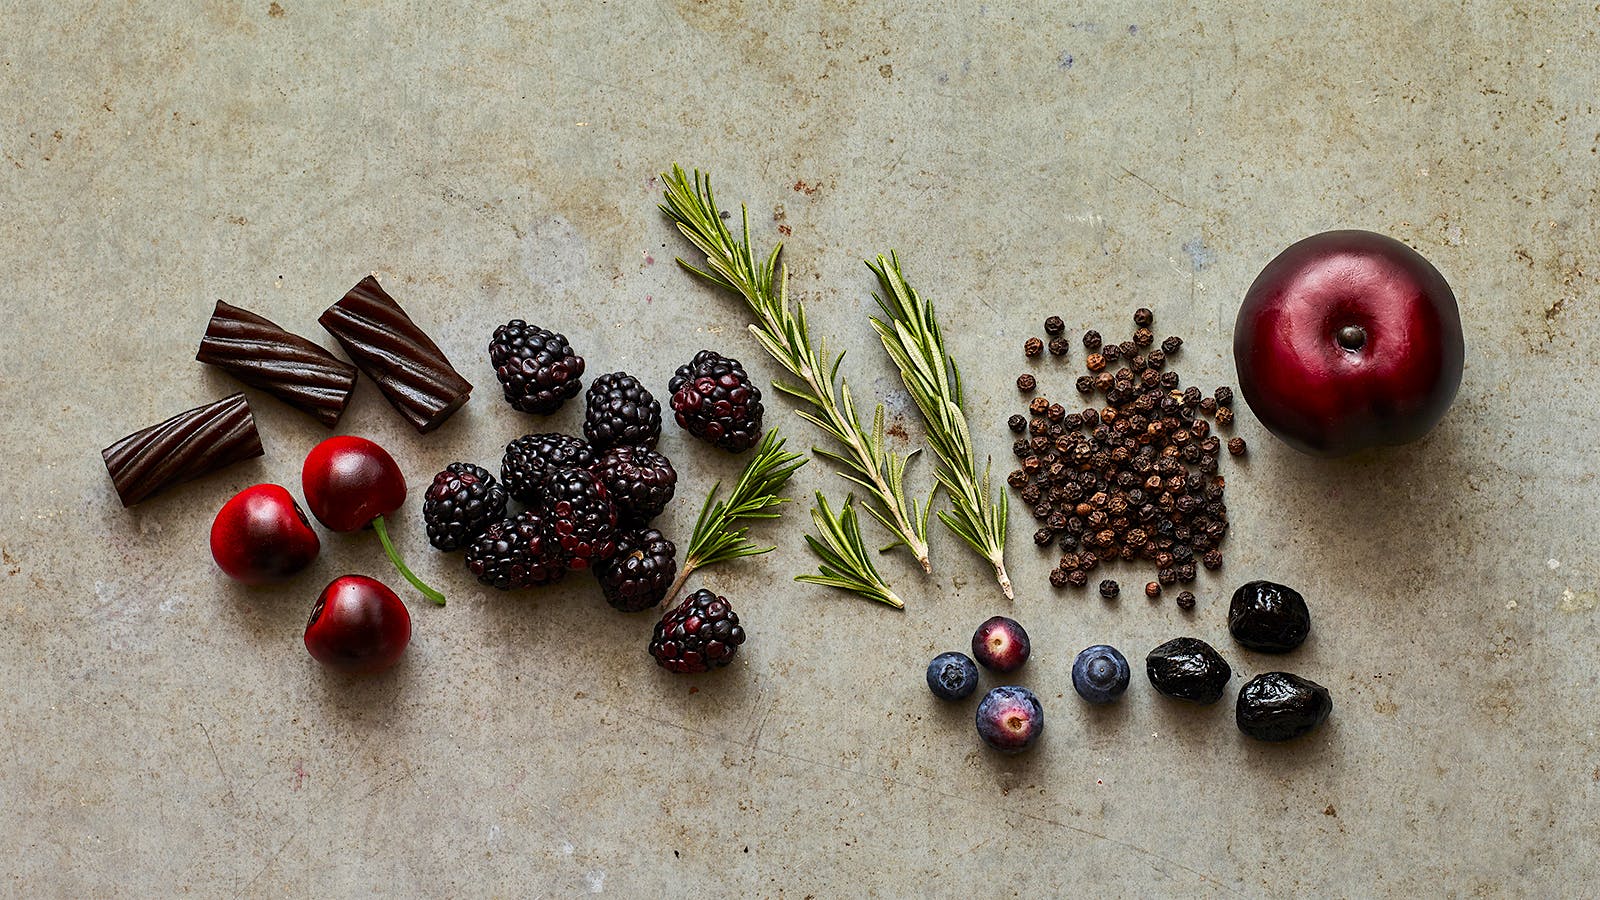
514 553
531 457
638 480
537 368
619 410
579 517
714 400
701 634
460 504
639 575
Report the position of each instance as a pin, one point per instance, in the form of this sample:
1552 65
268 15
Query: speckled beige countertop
165 733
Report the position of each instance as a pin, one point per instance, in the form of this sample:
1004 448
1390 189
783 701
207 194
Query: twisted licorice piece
287 366
186 446
404 362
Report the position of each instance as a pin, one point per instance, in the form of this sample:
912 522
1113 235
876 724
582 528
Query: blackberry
537 368
531 457
460 504
638 577
714 400
514 553
579 517
638 480
701 634
619 410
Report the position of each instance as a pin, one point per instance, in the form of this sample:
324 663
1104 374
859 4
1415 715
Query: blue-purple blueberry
1100 674
952 676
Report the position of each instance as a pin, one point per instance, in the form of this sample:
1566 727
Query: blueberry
952 676
1010 719
1000 645
1100 674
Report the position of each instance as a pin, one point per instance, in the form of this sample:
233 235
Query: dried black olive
1189 669
1268 617
1278 706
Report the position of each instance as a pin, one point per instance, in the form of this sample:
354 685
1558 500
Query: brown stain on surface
275 11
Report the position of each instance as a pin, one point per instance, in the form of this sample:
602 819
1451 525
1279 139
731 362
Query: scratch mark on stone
1159 192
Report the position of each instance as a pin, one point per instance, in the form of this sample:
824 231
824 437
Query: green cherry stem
394 557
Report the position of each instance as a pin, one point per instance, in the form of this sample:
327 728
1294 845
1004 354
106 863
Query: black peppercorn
1142 337
1185 598
1212 559
1168 575
1058 346
1085 384
1077 578
1236 446
1043 536
1109 589
1186 573
1224 396
1026 383
1091 340
1169 379
1030 494
1054 326
1208 405
1058 578
1156 359
1143 317
1170 345
1111 353
1017 478
1224 416
1020 447
1032 347
1152 590
1017 424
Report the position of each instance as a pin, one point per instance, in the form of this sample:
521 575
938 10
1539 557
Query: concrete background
165 732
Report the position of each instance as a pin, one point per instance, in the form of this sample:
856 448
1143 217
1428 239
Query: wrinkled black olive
1189 669
1278 706
1269 617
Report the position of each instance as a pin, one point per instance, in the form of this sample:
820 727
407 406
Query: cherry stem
1352 337
394 557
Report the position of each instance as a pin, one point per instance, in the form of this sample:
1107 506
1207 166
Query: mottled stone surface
166 734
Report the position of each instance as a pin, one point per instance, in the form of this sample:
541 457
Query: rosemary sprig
910 333
846 565
718 537
785 334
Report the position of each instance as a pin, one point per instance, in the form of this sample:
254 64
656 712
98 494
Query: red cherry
350 483
1348 340
261 536
358 625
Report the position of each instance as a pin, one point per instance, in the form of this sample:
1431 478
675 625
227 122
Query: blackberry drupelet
514 553
638 577
579 517
537 369
701 634
714 400
638 480
530 458
619 410
461 503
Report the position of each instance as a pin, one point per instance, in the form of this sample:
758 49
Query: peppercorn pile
1136 478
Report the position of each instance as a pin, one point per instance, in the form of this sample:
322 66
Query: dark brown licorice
256 351
190 444
404 362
